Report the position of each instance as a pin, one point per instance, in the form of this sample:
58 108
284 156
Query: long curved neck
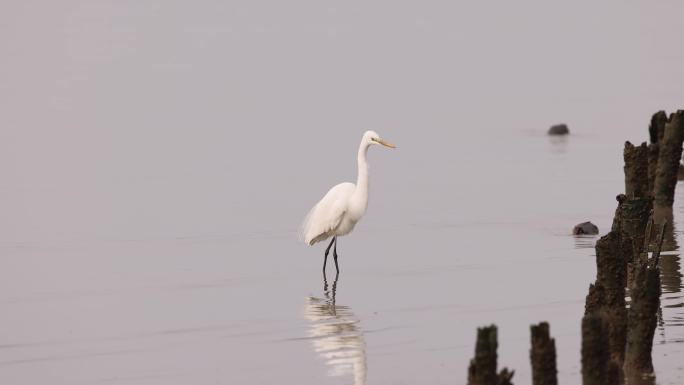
362 178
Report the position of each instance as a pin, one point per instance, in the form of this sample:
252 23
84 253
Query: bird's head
372 137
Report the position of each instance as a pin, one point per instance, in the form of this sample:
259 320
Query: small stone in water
559 129
585 228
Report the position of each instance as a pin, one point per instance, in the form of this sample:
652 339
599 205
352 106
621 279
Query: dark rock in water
559 129
585 228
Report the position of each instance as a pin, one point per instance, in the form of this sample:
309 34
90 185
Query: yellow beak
386 144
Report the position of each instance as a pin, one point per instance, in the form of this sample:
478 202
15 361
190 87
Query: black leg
334 290
335 256
326 287
327 250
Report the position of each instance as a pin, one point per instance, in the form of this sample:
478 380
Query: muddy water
157 159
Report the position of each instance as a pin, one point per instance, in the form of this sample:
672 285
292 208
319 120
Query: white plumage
344 204
325 217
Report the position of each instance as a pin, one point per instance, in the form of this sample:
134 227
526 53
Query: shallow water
157 160
252 307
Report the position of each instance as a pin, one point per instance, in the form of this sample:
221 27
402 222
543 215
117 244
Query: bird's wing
326 215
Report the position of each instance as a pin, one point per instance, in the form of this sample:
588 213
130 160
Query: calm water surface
157 159
252 307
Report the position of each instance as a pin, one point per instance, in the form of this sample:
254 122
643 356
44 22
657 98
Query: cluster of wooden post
616 341
483 367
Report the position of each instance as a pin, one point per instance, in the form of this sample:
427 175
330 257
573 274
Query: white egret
344 204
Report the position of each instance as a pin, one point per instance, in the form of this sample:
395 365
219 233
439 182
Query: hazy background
122 118
149 145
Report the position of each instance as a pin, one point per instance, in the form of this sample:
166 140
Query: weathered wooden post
634 213
543 356
645 295
482 368
597 367
669 155
636 170
657 127
636 205
656 130
606 297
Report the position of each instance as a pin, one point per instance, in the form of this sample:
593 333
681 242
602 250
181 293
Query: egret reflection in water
336 336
